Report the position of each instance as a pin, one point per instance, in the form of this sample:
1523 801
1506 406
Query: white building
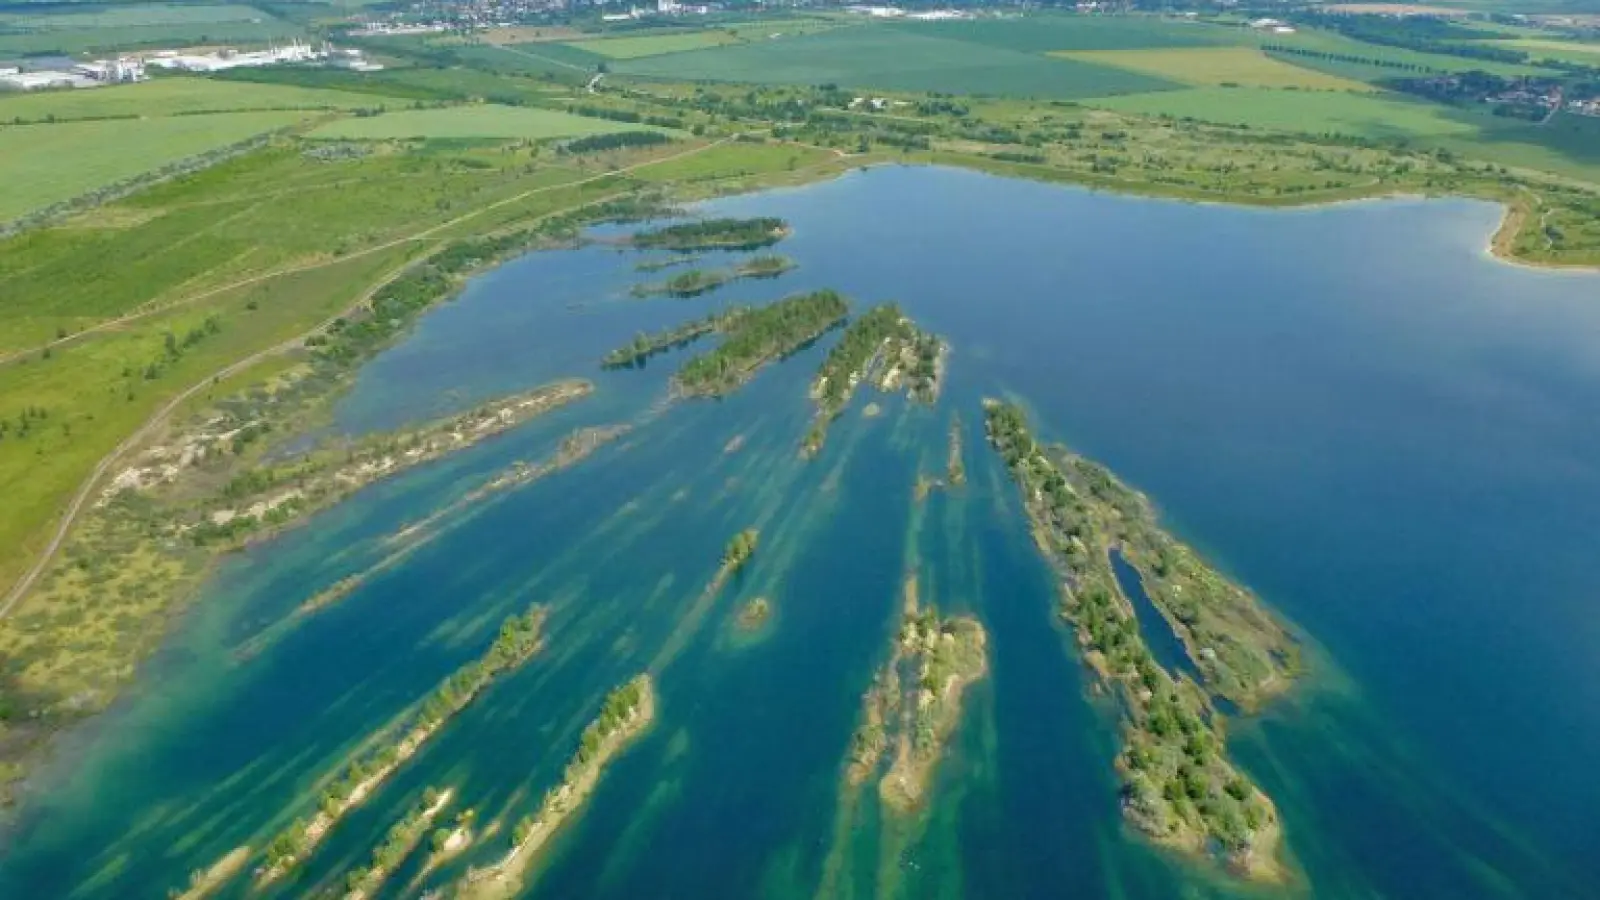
124 70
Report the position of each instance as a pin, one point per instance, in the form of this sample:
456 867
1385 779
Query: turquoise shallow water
1386 434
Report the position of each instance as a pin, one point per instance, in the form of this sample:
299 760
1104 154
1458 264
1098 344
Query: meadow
1311 112
1216 66
894 58
47 164
170 97
476 121
78 28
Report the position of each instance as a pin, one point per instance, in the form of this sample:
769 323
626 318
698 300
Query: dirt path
87 488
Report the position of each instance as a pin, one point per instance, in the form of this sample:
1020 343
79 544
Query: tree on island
740 549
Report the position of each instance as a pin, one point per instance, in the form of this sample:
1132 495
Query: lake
1354 410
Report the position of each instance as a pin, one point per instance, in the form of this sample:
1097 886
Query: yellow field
1216 66
1567 51
655 44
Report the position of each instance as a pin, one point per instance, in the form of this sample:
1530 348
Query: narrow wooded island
644 346
695 282
757 338
403 837
1179 787
882 347
625 714
714 234
517 641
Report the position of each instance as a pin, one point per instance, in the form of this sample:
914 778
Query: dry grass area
1215 67
524 34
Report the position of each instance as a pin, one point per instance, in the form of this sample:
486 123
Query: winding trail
159 418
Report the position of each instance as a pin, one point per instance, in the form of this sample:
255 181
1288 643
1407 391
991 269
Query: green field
47 164
172 96
481 121
1337 44
1584 54
655 44
1358 115
894 58
1215 66
63 29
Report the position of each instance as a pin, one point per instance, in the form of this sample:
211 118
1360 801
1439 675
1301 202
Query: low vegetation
754 614
1179 786
915 701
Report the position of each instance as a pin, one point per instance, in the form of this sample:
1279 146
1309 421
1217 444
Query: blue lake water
1386 434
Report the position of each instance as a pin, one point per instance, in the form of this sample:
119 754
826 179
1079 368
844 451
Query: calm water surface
1354 410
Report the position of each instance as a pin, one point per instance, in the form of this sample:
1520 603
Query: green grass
47 164
66 30
734 160
1359 115
893 58
654 44
172 96
478 121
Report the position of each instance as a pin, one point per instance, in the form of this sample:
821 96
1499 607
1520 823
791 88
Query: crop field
47 164
894 58
171 96
65 30
480 121
1562 51
1358 115
1045 33
633 47
1389 58
1216 66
